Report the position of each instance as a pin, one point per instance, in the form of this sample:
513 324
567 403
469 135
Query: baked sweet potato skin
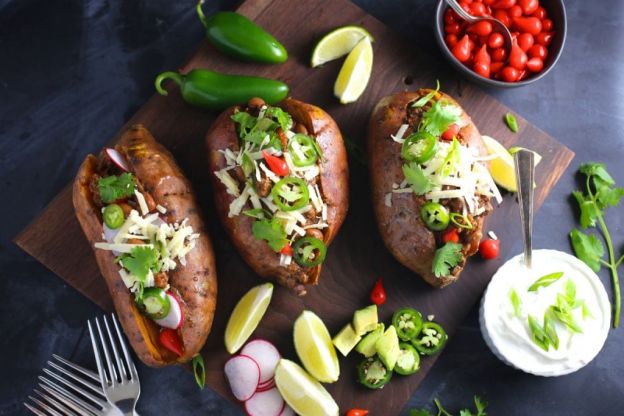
334 186
401 227
195 284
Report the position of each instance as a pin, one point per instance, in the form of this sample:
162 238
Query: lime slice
302 392
315 348
536 159
246 316
501 168
355 72
337 43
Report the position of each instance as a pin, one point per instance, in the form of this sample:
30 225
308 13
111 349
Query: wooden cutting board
358 256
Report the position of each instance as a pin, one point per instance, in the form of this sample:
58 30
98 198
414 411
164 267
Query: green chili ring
310 154
408 323
278 194
113 216
425 145
461 221
304 247
155 303
435 216
431 339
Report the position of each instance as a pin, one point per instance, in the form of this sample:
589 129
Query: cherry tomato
523 75
540 13
547 25
461 50
477 9
481 28
509 74
495 40
452 28
503 17
532 25
169 339
287 250
489 249
449 17
544 38
538 51
451 40
378 294
503 4
450 236
488 2
482 68
515 11
528 6
525 41
277 165
535 64
450 132
356 412
483 56
465 5
517 57
499 54
495 67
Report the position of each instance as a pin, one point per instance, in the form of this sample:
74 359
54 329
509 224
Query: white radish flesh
265 403
243 374
175 317
117 159
266 355
287 411
109 236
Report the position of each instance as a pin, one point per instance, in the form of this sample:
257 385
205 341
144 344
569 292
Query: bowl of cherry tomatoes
538 28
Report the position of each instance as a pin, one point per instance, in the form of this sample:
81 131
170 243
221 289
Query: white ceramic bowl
513 346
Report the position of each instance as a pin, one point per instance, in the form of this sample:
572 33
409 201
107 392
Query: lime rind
337 43
246 316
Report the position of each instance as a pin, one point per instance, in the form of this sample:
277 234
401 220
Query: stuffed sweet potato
139 213
431 189
280 184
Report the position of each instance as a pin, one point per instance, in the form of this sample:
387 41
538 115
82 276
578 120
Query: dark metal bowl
556 12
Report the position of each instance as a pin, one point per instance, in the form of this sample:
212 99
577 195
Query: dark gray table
72 72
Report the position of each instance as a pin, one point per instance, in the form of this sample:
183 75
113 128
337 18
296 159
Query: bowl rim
439 35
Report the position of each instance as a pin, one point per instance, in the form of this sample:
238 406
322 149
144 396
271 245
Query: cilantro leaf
282 117
113 188
480 405
140 261
415 176
270 231
420 412
440 116
465 412
245 122
424 100
607 194
587 248
446 258
545 281
596 169
589 210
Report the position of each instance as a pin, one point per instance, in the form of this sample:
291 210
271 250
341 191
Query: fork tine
65 400
94 399
45 406
78 368
92 387
55 403
121 368
98 357
105 347
64 392
34 410
133 371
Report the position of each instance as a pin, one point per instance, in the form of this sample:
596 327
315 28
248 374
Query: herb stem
619 262
441 410
617 302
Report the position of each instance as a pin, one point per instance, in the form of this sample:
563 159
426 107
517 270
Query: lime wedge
355 72
302 392
246 316
501 168
315 348
337 43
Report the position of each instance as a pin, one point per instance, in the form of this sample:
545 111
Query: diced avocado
346 339
365 320
366 347
387 347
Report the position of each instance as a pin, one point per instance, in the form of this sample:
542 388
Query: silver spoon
497 25
525 175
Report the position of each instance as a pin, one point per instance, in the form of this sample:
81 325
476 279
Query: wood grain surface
358 256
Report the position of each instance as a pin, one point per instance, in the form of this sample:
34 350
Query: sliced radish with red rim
266 386
117 158
265 403
175 317
243 374
266 355
287 411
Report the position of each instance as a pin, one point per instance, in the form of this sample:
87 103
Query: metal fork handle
461 12
525 178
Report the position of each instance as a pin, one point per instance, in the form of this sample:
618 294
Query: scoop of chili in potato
401 227
332 182
194 284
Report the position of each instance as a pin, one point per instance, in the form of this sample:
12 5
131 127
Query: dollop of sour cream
507 331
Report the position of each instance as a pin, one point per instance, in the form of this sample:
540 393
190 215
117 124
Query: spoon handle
460 11
525 175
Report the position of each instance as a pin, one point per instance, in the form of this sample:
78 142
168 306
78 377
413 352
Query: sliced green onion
461 221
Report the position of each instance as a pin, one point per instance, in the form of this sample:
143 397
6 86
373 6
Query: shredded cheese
400 133
142 204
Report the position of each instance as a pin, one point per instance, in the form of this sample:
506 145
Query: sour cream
508 334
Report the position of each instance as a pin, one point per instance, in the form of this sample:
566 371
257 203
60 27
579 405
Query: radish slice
265 403
117 159
109 236
175 317
265 354
243 374
287 411
266 386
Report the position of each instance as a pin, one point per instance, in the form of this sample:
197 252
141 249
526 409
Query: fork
59 396
119 378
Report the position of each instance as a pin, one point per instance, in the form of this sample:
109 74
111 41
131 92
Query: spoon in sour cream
525 174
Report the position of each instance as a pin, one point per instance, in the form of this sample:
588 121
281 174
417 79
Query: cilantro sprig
600 193
113 188
139 262
480 406
272 231
446 258
439 117
417 179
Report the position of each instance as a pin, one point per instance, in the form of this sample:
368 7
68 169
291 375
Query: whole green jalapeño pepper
237 36
215 91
